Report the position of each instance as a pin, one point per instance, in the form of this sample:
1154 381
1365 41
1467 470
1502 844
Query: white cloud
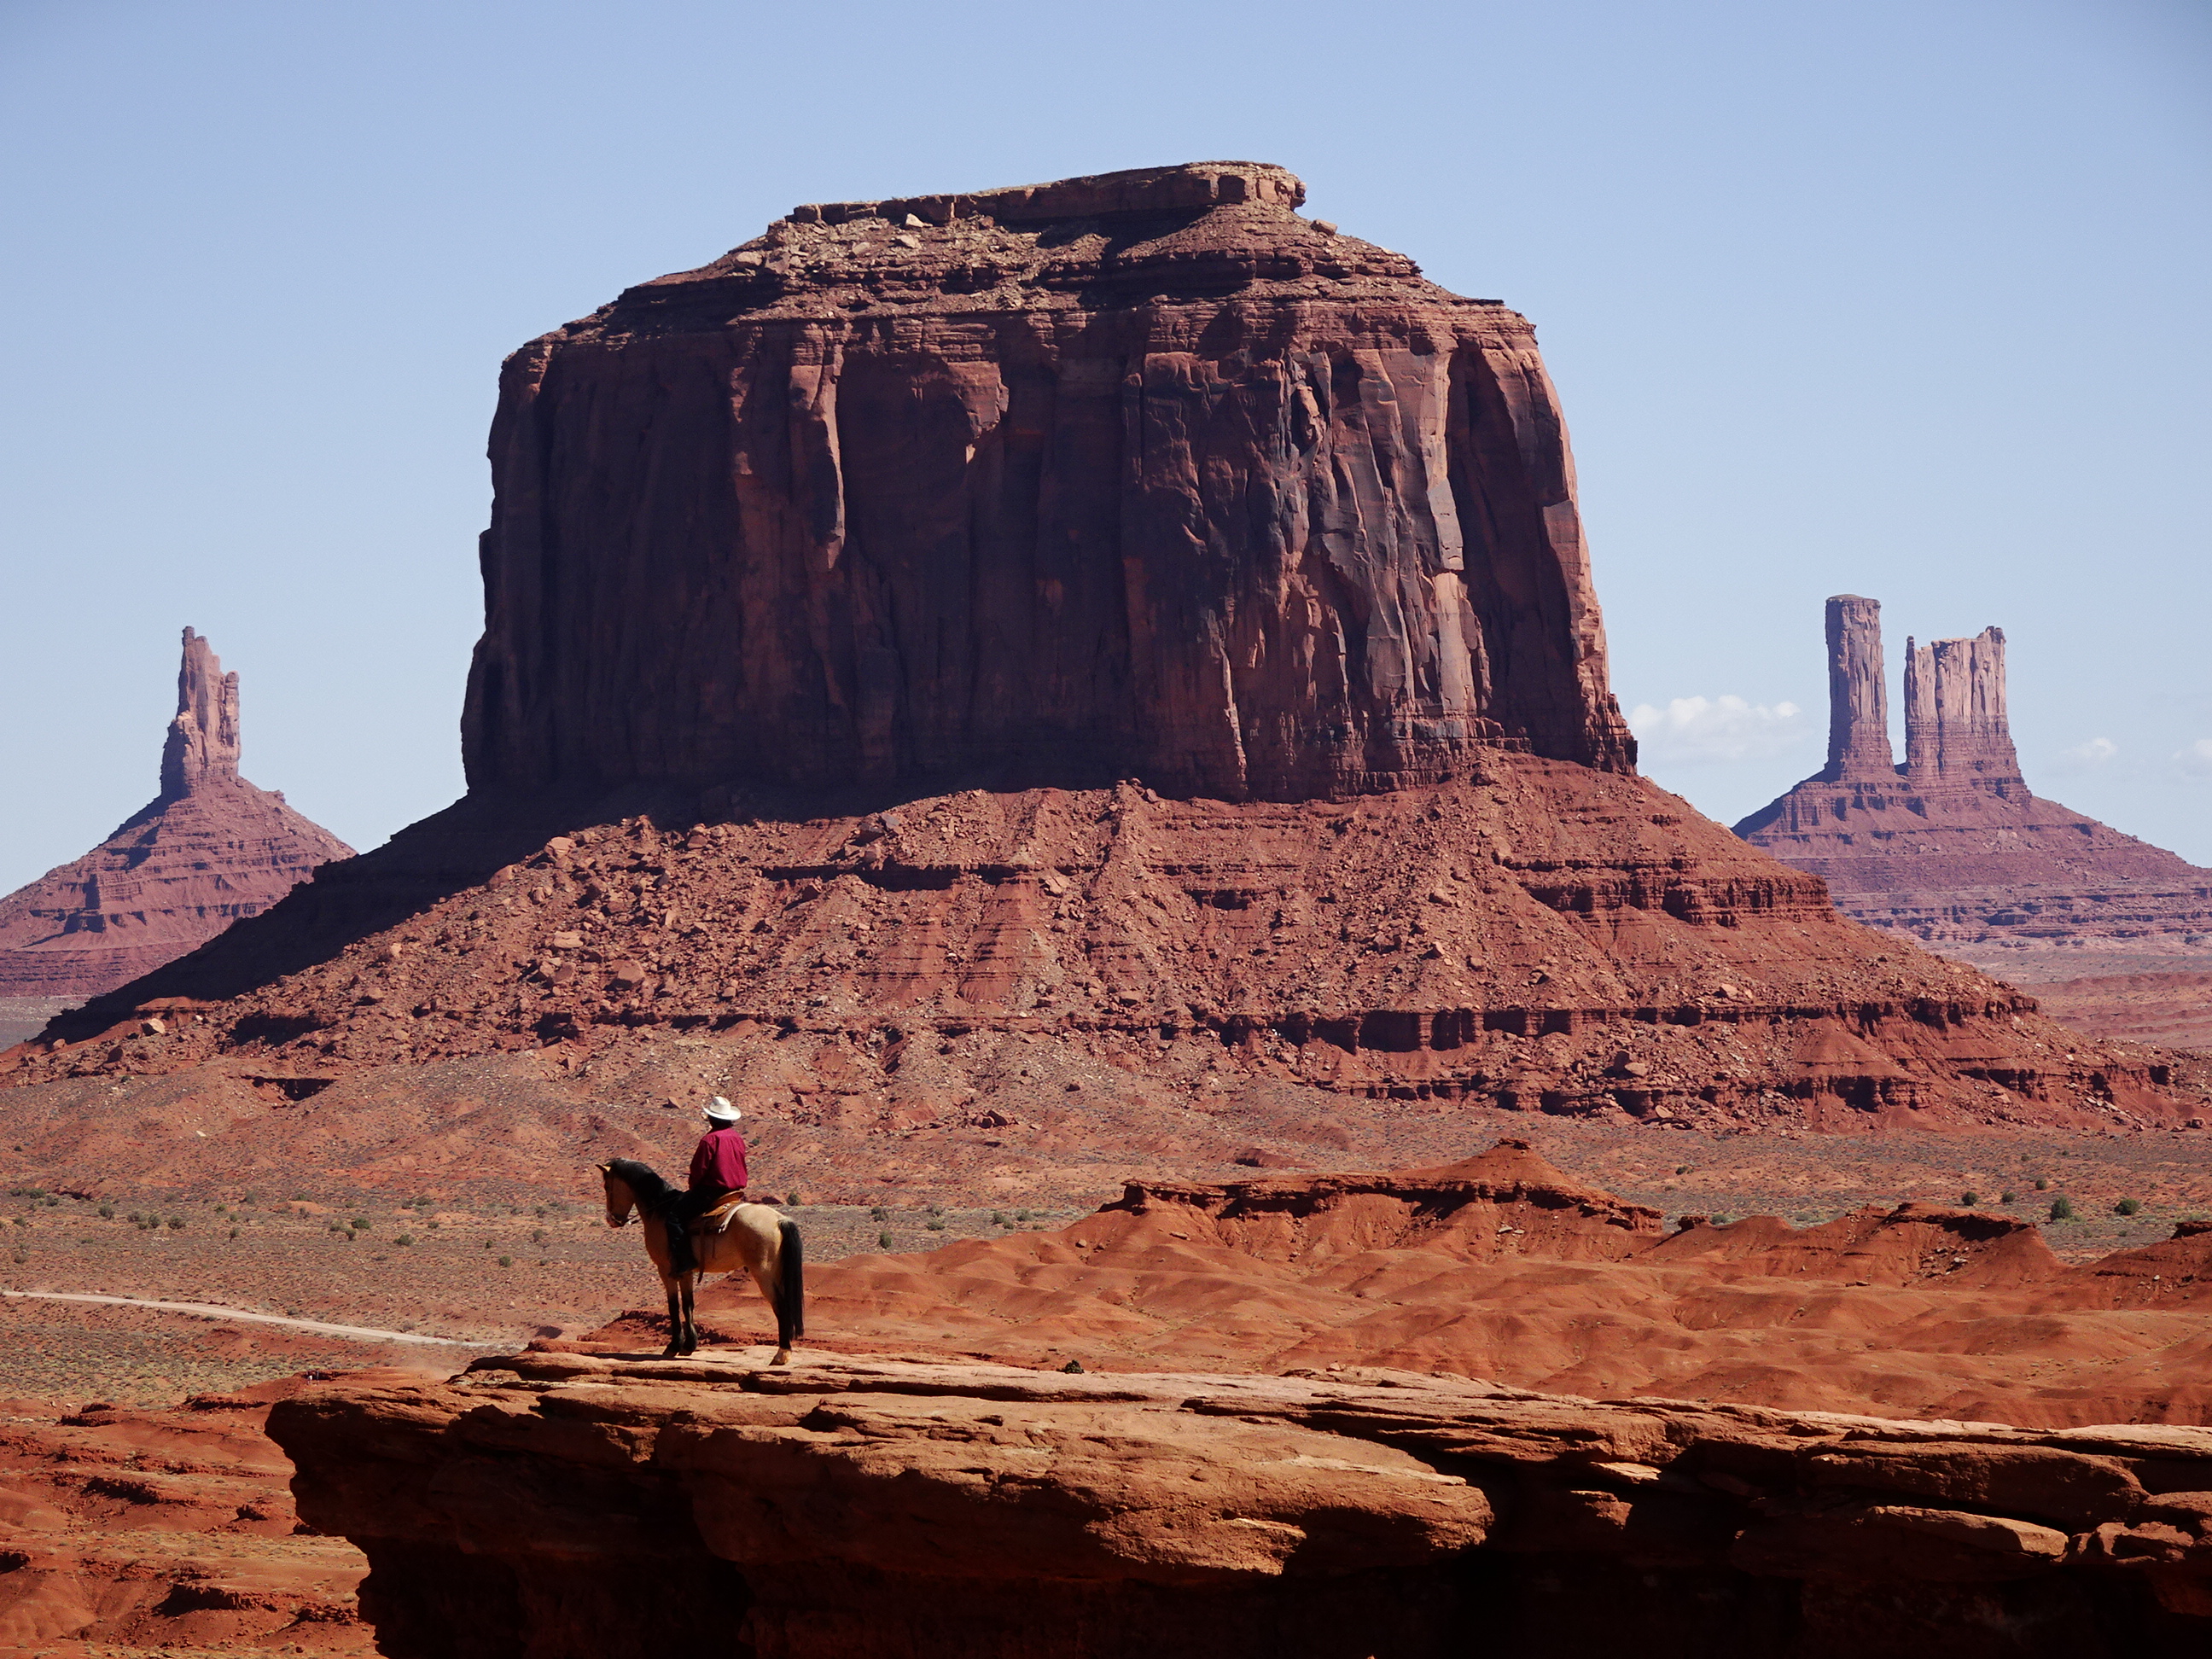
2087 756
1693 731
2197 759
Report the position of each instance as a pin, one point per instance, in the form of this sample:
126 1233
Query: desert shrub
879 1213
53 1203
107 1212
2128 1206
935 1226
883 1241
405 1239
234 1232
2061 1209
2042 1184
359 1223
2009 1197
998 1218
1970 1199
506 1261
538 1234
250 1198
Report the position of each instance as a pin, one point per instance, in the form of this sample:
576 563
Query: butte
209 849
1954 849
1079 678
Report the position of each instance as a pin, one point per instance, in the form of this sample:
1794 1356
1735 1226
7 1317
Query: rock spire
1858 694
1955 729
203 740
207 850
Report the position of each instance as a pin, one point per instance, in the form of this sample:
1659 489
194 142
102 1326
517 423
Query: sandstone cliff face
1953 847
1136 476
207 850
558 1506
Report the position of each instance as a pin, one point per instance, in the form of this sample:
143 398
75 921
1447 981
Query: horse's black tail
790 1285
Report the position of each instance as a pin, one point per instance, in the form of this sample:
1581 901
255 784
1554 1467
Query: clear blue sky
1903 299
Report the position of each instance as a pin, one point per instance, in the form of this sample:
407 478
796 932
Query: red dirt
129 1530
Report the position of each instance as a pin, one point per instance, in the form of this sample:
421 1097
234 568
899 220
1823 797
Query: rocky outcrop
1141 475
207 850
1953 847
562 1504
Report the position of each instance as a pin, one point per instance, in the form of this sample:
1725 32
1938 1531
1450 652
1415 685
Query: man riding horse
718 1174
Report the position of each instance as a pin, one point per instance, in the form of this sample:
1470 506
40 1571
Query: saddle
718 1218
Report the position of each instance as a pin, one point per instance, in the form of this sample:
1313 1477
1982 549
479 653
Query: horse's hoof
782 1356
671 1351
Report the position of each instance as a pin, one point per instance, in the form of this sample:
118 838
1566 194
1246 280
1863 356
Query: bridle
618 1215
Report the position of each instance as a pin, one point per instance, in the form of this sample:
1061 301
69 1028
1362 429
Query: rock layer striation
209 849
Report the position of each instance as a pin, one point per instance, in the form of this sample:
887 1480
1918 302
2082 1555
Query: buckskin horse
760 1240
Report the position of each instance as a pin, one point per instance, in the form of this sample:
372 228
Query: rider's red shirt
719 1162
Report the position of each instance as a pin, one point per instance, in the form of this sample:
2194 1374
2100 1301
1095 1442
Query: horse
760 1241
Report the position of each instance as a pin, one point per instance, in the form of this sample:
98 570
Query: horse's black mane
644 1181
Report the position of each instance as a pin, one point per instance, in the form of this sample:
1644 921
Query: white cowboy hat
719 1110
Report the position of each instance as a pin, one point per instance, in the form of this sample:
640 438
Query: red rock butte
1141 475
1119 624
1952 846
207 850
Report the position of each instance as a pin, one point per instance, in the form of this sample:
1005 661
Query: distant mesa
1952 846
207 850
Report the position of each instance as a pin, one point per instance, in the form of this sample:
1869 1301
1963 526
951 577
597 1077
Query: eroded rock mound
855 1507
1550 939
1953 847
209 849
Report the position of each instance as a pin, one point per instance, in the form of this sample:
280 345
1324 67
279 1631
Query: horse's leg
676 1289
763 1274
690 1329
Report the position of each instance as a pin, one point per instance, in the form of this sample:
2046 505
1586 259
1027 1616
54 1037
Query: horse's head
621 1200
